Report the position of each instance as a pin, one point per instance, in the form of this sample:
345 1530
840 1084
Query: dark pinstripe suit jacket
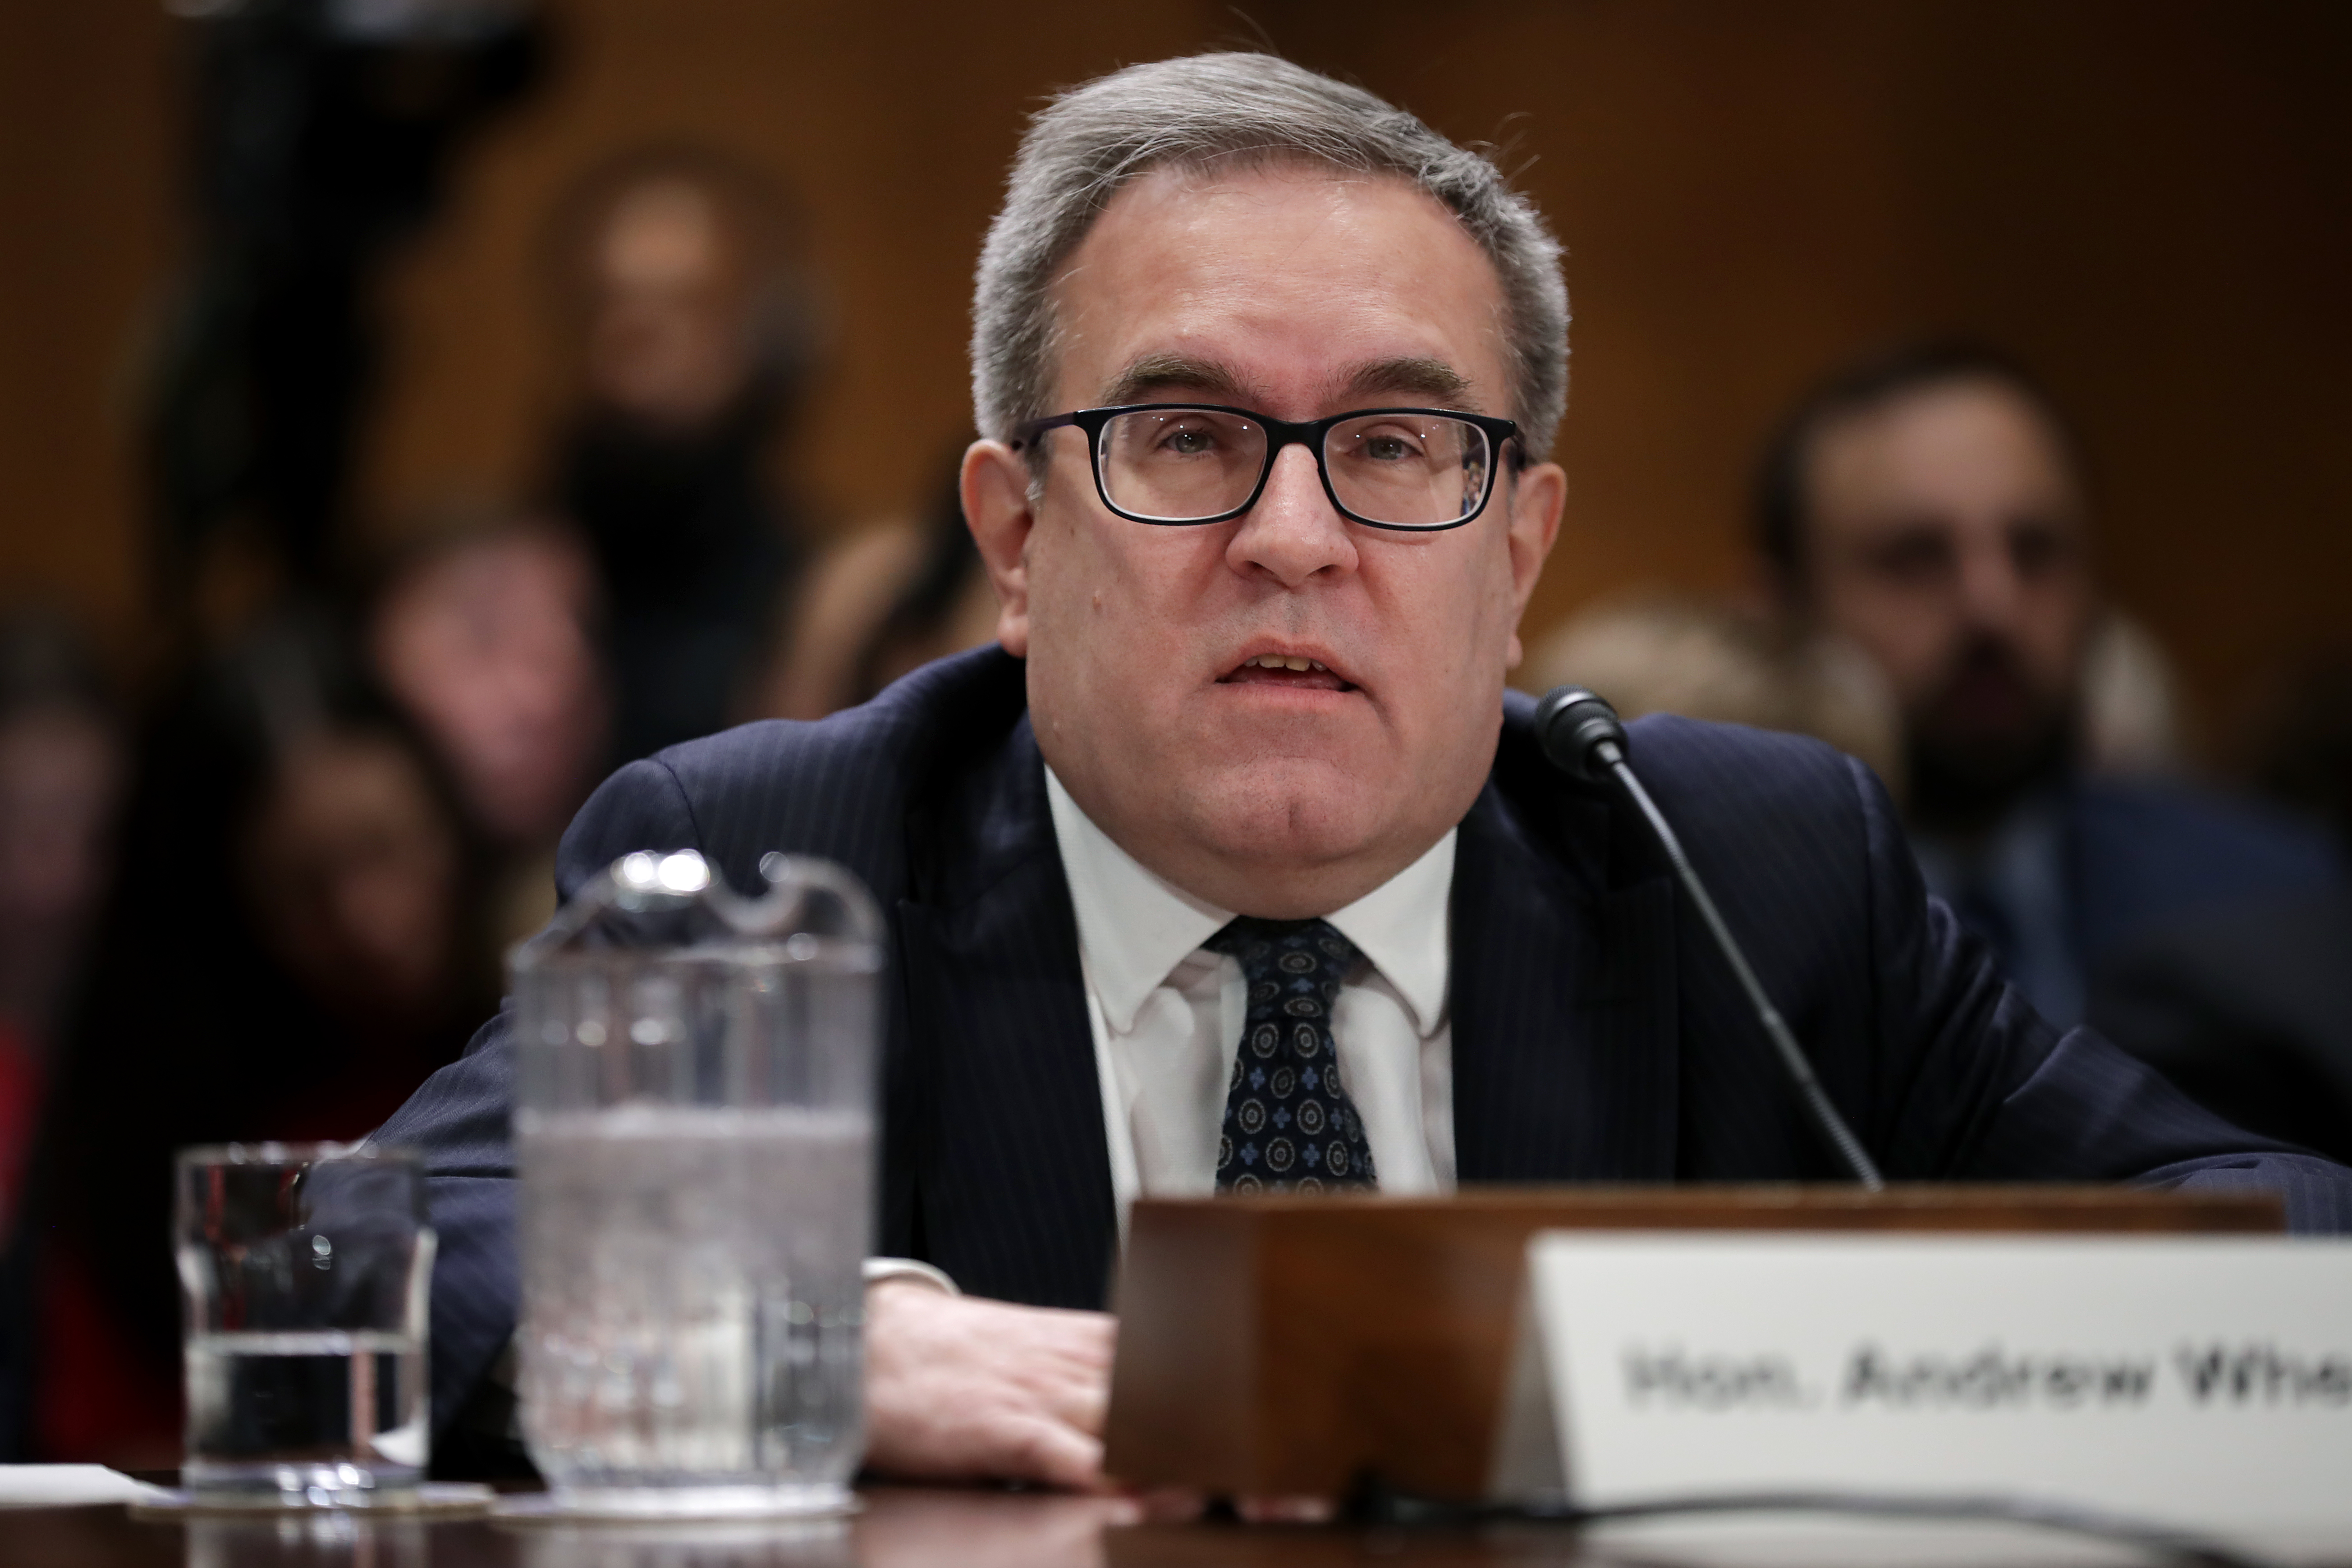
1596 1036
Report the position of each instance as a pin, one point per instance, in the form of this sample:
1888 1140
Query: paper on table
69 1486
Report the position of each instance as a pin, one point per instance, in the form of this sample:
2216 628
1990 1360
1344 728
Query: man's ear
995 486
1538 496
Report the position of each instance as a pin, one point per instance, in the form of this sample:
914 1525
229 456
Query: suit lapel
1565 1058
1012 1170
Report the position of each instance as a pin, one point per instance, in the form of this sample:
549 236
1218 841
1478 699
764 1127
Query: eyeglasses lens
1415 470
1409 470
1178 464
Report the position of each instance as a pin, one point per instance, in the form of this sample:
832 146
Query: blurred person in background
1655 652
691 332
1732 661
486 639
2250 1009
2301 742
315 139
886 600
1929 507
60 767
284 955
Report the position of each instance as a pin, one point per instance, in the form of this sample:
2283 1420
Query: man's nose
1293 533
1989 589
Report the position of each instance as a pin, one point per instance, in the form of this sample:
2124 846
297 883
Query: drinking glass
694 1132
304 1273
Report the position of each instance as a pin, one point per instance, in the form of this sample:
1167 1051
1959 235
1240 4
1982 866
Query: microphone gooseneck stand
1581 736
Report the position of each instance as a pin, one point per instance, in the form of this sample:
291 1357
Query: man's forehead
1336 284
1969 439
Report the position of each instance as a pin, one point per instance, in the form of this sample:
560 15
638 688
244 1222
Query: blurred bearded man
1929 506
1232 868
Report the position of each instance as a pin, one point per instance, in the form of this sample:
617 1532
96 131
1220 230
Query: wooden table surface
899 1528
932 1528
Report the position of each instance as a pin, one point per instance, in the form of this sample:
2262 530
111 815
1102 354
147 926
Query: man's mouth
1294 670
1988 698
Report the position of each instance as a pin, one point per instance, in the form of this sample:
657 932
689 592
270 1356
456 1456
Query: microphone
1580 735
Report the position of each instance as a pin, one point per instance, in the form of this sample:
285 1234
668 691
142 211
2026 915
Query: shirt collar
1135 927
1402 926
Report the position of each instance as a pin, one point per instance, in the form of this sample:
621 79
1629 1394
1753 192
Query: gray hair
1091 142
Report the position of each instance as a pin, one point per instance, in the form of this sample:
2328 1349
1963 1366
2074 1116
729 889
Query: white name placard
2201 1383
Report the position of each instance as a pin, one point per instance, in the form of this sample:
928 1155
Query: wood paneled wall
2150 200
86 206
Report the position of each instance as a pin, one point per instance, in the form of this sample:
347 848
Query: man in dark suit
1234 866
1928 506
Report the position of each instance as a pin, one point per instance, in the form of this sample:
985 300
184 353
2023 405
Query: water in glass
305 1270
693 1275
305 1410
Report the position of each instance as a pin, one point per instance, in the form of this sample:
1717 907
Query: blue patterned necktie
1290 1125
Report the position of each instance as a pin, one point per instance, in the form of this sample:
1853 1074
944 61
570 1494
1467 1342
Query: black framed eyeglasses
1178 464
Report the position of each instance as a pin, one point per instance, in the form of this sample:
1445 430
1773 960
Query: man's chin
1967 779
1296 812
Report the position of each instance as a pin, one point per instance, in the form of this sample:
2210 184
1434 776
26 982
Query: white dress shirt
1167 1016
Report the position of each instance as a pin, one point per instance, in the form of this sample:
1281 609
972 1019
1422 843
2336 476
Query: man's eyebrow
1162 373
1412 378
1430 378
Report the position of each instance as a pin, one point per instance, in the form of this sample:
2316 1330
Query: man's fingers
1286 1509
964 1388
1051 1452
1081 1405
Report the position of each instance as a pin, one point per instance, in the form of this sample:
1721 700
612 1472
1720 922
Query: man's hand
957 1388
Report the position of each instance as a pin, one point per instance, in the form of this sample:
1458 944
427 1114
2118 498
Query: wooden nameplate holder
1282 1346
